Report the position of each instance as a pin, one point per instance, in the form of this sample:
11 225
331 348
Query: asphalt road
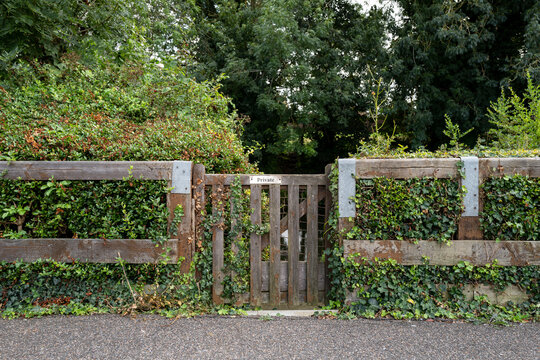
153 337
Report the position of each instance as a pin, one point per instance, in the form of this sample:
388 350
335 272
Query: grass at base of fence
48 287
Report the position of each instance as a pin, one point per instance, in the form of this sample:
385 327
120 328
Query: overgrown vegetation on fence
406 209
511 208
134 111
129 209
429 209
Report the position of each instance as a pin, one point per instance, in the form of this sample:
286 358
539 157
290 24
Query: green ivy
50 287
128 209
511 208
234 207
411 209
385 288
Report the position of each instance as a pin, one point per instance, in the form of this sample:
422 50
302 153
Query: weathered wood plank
316 179
406 168
477 252
512 166
184 232
218 245
302 276
327 232
469 228
275 252
312 242
199 203
255 248
294 243
134 251
86 170
283 299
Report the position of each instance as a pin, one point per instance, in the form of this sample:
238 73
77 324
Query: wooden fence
105 250
470 244
293 274
296 206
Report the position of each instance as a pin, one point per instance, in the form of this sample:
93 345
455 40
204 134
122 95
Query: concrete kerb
288 313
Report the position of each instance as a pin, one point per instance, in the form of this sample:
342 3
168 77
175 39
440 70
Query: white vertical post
346 188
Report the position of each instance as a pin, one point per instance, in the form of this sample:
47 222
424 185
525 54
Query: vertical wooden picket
312 245
255 248
218 246
294 244
275 253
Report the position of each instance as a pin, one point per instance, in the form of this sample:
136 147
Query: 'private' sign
264 180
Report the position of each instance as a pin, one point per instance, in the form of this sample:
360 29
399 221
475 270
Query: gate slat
274 244
255 248
218 246
294 209
311 245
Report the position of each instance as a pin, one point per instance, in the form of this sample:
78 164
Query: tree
452 58
123 30
297 69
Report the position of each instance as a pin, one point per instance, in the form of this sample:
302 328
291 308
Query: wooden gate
285 263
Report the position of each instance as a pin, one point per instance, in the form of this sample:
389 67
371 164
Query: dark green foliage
46 287
109 112
412 209
130 209
385 288
119 30
298 69
453 57
511 208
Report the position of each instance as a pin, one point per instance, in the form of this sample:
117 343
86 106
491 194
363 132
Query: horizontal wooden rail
227 179
510 166
134 251
85 170
406 168
476 252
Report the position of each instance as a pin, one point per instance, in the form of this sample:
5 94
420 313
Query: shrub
516 119
117 112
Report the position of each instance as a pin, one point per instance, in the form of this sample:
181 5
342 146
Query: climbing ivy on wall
385 288
410 209
511 208
388 209
128 209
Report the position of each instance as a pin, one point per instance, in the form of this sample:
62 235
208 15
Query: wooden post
275 253
255 248
469 223
199 203
218 244
180 195
312 254
327 244
293 240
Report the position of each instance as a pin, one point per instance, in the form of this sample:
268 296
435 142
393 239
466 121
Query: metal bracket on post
471 181
346 187
181 177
